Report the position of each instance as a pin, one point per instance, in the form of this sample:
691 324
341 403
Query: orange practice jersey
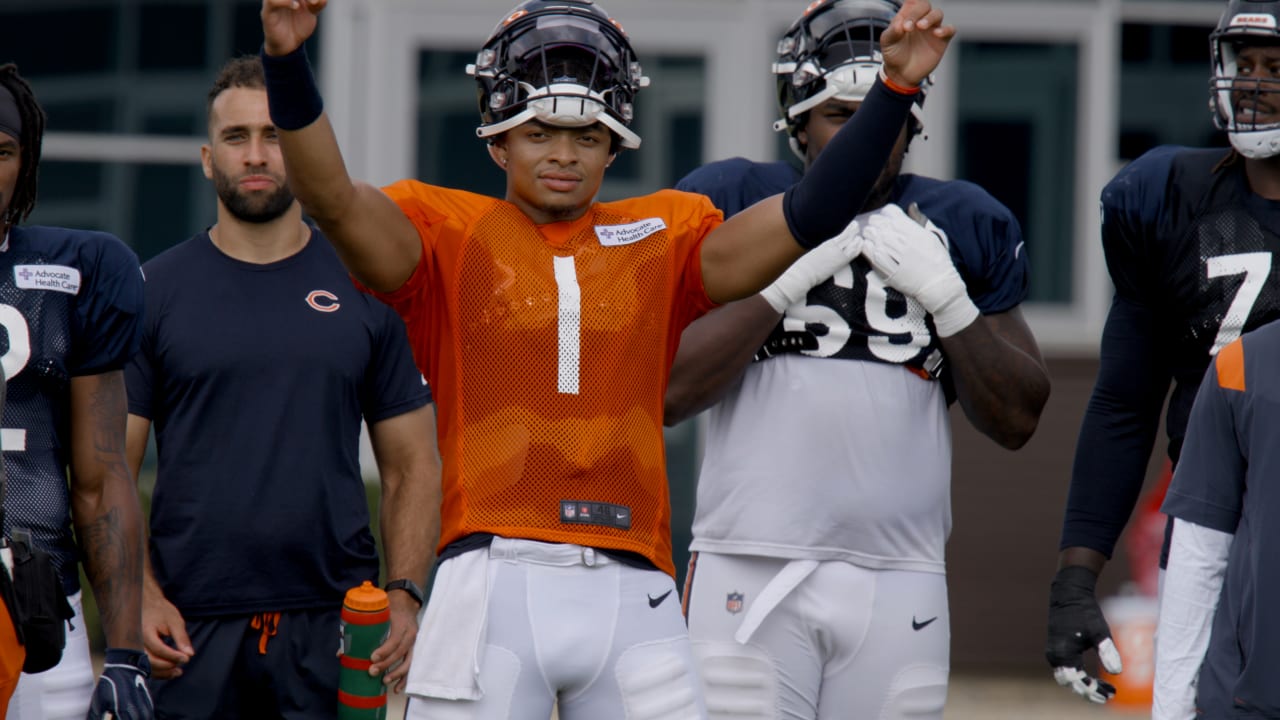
548 350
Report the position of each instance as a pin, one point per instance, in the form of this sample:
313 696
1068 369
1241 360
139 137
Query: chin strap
1256 144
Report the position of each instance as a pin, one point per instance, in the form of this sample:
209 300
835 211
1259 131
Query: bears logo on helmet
832 52
1245 23
563 62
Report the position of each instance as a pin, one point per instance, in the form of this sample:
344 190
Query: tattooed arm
1001 380
104 505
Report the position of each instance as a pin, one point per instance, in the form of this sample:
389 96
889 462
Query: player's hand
122 692
395 653
164 635
914 260
286 24
813 268
914 42
1076 624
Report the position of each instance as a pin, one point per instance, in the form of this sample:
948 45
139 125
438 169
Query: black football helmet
832 52
563 62
1245 23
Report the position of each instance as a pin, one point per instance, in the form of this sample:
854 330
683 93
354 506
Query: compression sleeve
833 190
1188 598
1119 428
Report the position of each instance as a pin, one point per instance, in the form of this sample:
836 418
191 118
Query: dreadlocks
24 193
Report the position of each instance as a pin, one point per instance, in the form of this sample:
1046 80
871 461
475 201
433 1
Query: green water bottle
366 618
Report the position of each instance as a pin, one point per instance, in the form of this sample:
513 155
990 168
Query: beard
251 207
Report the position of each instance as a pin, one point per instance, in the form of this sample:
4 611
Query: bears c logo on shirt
323 301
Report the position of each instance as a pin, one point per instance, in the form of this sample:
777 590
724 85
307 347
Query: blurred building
1040 101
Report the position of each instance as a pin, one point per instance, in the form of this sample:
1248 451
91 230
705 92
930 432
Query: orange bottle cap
366 598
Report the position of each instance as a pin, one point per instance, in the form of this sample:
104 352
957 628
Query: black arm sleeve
1119 429
833 190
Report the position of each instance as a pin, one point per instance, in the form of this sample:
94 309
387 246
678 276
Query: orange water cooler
1133 626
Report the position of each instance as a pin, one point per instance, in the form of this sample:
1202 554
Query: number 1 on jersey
569 319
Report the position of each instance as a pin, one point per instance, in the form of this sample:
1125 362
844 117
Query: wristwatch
408 586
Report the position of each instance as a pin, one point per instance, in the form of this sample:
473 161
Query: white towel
791 575
451 635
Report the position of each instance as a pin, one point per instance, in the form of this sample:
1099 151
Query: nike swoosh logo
921 625
1017 250
656 601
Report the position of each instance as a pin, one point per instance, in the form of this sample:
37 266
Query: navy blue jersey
70 305
1228 479
855 316
256 377
1190 250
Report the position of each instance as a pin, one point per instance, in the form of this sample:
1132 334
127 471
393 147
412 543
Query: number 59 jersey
70 305
855 315
832 446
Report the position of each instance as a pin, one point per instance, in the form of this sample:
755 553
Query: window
1020 146
149 206
1164 89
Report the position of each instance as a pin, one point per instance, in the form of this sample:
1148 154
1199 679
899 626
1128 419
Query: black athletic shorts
269 665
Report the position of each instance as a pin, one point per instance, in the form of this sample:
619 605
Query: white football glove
1086 686
915 261
813 268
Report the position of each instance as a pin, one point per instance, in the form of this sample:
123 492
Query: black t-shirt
256 378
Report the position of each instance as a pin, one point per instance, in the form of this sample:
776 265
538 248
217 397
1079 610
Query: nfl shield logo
733 603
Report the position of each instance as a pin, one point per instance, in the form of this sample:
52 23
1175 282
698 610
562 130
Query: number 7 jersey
71 305
548 349
1189 243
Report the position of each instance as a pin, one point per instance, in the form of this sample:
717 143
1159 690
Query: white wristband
955 315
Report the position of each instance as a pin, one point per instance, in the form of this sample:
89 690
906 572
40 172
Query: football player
817 587
71 307
1190 237
546 323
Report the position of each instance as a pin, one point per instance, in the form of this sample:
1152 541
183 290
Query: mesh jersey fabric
542 405
71 305
1191 251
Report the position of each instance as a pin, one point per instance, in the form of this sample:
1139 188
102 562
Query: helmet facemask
560 68
832 53
1251 134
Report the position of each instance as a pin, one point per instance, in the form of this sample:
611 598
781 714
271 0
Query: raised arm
375 240
409 466
752 248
